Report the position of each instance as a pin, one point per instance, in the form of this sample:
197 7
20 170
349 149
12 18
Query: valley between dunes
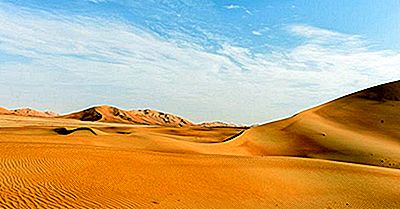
342 154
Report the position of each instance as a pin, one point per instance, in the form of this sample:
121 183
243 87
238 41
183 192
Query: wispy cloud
81 60
319 35
256 33
233 6
97 1
261 31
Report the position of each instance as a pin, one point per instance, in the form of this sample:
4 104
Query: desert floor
109 165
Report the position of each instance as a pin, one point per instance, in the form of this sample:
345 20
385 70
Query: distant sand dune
27 112
115 115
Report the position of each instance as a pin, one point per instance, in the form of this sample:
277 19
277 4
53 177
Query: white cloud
256 33
248 11
232 6
77 61
319 35
261 31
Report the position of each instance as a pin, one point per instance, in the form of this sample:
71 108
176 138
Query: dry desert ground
342 154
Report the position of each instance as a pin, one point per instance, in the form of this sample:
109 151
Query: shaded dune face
65 131
115 115
385 92
90 115
362 127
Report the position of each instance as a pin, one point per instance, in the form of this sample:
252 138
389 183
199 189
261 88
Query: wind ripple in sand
65 176
28 181
21 188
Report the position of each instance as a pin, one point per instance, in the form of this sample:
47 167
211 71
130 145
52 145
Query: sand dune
343 154
217 124
362 128
27 112
4 111
111 114
115 115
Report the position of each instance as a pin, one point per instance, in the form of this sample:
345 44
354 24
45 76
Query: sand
343 154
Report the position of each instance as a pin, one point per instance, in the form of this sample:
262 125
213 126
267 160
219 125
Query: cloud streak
233 6
75 61
97 1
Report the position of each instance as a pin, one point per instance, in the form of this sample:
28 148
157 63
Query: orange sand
343 154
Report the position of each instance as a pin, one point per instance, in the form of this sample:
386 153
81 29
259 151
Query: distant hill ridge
27 112
385 92
112 114
218 124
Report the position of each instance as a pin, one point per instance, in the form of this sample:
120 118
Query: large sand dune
343 154
363 128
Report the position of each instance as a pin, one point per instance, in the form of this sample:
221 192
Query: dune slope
362 128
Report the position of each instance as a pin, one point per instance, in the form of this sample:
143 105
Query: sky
245 62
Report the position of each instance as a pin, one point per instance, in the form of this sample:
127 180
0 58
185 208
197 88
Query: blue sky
238 61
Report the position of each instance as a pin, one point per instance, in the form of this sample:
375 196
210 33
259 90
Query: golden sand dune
112 114
343 154
363 128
